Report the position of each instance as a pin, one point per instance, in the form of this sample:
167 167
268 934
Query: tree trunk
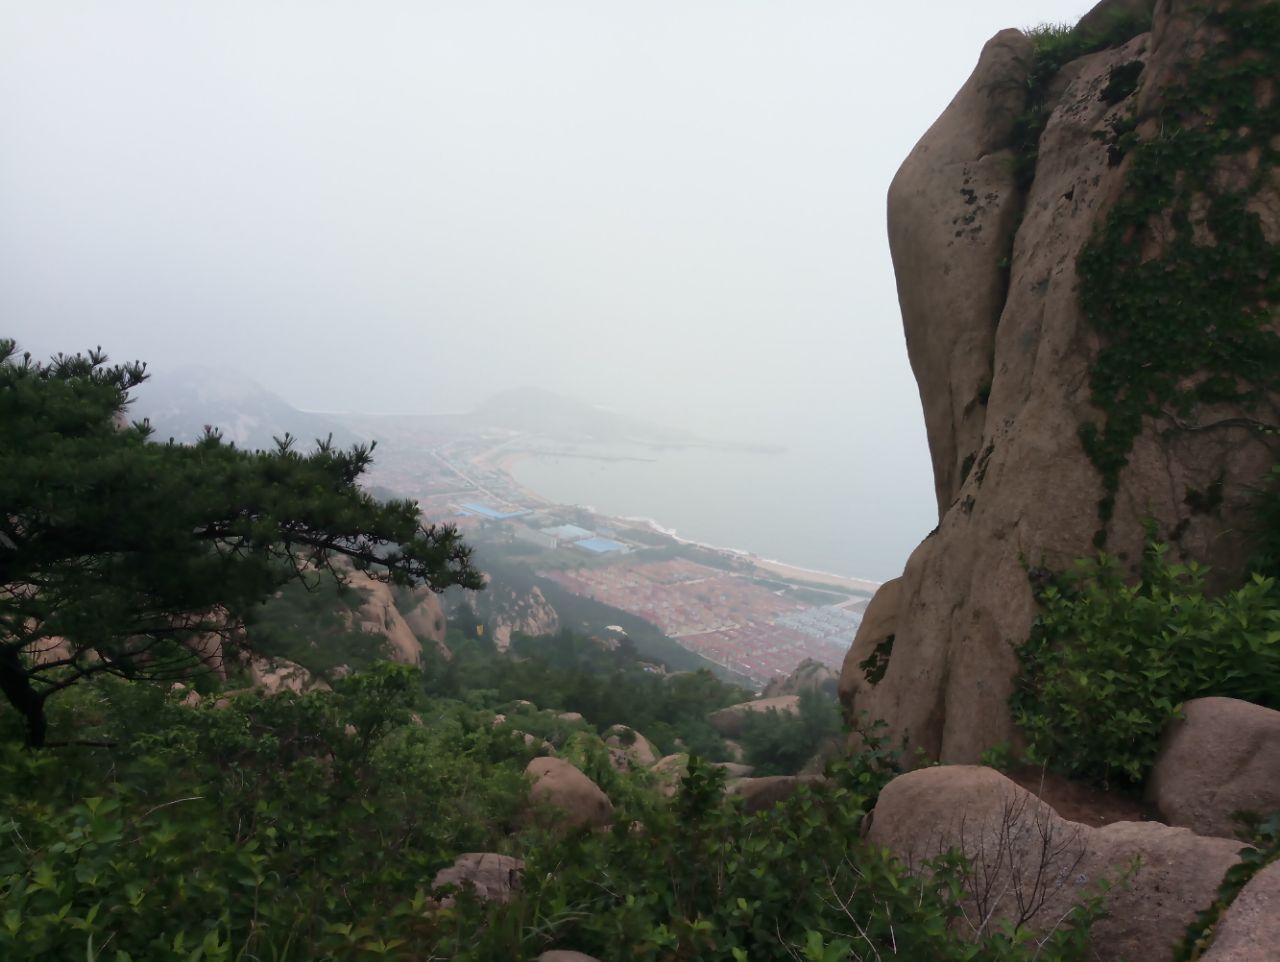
16 685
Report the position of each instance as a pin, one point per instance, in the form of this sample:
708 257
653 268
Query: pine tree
123 556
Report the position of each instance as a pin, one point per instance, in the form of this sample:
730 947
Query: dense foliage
774 743
1108 665
575 674
122 556
289 828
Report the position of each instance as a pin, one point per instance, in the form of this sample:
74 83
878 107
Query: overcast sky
673 207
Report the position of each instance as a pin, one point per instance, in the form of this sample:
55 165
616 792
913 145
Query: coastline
503 458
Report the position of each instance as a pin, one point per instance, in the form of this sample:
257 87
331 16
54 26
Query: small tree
123 556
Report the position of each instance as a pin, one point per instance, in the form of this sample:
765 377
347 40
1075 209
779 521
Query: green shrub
1108 665
781 744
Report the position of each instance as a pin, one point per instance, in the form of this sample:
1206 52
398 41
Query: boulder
670 771
1030 866
1221 757
560 785
729 721
491 876
571 716
735 769
761 793
1249 931
1004 355
632 745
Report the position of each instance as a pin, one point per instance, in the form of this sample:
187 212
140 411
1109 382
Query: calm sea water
813 505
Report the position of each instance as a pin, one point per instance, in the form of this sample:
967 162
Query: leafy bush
1108 665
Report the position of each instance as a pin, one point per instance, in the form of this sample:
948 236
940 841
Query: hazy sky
675 207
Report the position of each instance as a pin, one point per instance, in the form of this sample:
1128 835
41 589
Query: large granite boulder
1221 757
731 722
579 800
1004 357
1030 866
1249 931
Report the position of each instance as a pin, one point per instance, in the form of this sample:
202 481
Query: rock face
425 617
1004 370
378 615
1024 855
1222 757
729 721
1249 931
809 675
579 799
492 877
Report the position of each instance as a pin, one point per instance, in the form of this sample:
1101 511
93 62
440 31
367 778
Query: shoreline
502 460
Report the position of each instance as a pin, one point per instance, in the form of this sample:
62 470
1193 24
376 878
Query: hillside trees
126 557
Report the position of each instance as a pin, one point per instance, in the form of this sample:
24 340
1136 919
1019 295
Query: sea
823 506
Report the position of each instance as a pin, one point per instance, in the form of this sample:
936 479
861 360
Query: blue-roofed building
567 532
600 545
492 514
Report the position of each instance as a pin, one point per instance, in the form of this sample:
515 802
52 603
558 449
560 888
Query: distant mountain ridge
181 402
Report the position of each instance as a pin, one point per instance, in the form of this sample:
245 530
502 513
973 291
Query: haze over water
800 506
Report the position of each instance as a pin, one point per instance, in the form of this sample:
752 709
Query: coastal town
753 617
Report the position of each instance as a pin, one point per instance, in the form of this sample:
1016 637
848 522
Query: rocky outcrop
1249 931
490 876
809 675
1004 354
508 612
274 675
1221 757
378 615
1029 866
579 800
730 721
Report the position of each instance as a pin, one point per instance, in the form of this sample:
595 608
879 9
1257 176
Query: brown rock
1249 931
729 721
761 793
425 618
670 771
1023 854
562 786
953 206
1221 757
492 877
1014 483
1100 18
